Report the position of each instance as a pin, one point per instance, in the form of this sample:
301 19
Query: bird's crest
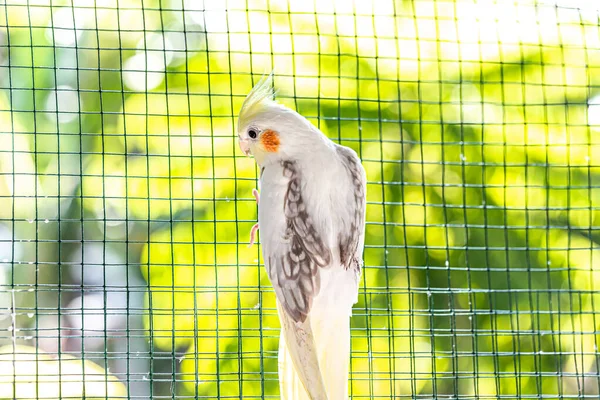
261 95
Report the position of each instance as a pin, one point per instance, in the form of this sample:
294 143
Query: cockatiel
312 222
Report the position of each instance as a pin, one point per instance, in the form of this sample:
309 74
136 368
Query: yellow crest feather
261 95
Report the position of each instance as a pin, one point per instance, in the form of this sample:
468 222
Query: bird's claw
252 234
255 226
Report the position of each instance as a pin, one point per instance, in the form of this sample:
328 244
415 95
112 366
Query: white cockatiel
312 217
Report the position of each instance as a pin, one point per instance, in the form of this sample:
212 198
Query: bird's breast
271 217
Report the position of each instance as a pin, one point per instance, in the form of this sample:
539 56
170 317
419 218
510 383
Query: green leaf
30 373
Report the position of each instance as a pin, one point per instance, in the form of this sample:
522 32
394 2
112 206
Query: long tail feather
290 387
332 335
331 344
299 348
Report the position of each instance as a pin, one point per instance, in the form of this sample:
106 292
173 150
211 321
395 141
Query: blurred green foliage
28 373
477 125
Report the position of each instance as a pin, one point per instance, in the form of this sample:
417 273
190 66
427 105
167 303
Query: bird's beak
245 146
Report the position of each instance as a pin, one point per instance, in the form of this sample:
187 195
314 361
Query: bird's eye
252 133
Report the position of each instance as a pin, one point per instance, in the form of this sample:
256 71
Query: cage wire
125 205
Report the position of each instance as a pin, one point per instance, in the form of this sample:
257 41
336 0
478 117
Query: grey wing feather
349 242
294 274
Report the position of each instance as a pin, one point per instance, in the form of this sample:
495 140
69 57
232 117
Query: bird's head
270 131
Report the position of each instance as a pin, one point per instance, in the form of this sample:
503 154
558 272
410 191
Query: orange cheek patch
270 140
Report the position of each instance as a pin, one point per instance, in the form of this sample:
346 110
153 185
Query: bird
311 215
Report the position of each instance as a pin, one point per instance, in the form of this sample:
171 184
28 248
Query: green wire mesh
125 205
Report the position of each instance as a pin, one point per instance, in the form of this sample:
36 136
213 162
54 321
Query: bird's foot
255 227
252 234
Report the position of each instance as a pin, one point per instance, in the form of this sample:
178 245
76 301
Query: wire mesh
125 205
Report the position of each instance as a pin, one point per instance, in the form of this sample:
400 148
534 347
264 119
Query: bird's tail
314 358
299 370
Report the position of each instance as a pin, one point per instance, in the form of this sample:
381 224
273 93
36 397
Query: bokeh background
125 204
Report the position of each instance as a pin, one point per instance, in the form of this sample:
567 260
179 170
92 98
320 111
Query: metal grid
125 205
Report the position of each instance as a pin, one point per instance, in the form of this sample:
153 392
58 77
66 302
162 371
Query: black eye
252 133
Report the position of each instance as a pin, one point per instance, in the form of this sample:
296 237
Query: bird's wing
293 266
297 251
351 240
294 253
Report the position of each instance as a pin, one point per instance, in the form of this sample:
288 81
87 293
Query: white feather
332 307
